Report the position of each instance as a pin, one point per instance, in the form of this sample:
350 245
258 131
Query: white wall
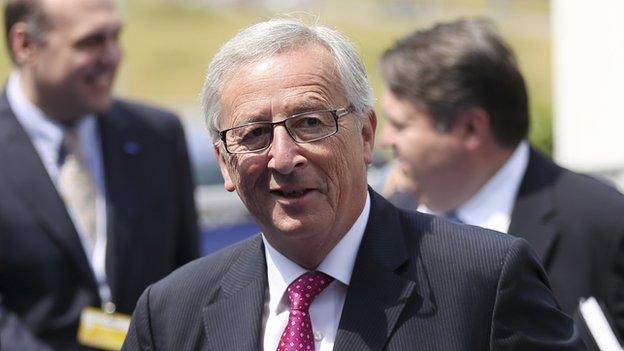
588 51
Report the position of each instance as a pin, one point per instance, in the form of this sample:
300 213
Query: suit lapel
533 216
377 293
121 153
233 320
25 170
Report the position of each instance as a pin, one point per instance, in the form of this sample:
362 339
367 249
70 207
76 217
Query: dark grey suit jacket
419 283
45 279
576 226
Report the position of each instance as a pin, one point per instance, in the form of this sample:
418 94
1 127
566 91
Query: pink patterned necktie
298 334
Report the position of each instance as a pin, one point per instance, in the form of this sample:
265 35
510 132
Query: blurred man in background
96 193
397 186
457 120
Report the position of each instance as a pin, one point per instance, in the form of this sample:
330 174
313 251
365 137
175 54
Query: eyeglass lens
305 127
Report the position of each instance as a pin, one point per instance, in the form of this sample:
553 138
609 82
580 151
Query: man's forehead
68 12
287 62
286 73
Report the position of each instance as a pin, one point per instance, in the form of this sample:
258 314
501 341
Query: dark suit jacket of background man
576 226
419 283
45 278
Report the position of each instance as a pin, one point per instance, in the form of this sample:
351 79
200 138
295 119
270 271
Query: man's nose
284 152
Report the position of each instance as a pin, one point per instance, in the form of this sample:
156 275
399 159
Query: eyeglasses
303 127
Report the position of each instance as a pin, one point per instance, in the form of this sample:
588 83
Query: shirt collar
281 271
45 132
37 125
492 205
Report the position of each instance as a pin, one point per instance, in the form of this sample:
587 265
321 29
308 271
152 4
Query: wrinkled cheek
339 183
249 195
252 186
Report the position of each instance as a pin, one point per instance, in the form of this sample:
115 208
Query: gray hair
276 36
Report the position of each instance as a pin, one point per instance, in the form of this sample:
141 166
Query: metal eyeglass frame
336 113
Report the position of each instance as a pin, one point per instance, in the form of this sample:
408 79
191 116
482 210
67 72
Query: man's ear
368 136
219 154
473 126
22 43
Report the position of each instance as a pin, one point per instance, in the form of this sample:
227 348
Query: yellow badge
102 330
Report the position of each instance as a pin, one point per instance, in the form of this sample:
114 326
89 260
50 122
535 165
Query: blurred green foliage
169 43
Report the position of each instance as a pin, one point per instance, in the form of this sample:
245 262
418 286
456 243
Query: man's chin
100 105
294 227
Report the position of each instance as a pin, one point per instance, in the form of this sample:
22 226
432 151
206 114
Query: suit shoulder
449 241
460 255
203 274
590 211
571 188
139 108
445 229
148 116
591 190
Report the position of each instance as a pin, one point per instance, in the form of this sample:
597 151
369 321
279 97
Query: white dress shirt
326 308
46 134
492 205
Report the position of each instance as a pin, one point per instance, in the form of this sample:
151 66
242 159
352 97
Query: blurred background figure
457 120
96 193
397 186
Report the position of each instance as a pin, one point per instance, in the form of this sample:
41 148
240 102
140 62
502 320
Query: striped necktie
298 335
76 186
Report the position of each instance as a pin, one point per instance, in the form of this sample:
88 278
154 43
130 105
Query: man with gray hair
96 194
457 112
336 266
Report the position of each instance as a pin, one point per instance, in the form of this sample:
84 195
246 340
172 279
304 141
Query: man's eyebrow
307 106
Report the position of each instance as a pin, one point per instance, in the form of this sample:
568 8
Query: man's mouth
290 193
100 79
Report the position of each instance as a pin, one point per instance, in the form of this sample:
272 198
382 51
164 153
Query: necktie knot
70 146
304 289
298 335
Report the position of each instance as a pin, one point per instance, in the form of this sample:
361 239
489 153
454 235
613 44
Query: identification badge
99 329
